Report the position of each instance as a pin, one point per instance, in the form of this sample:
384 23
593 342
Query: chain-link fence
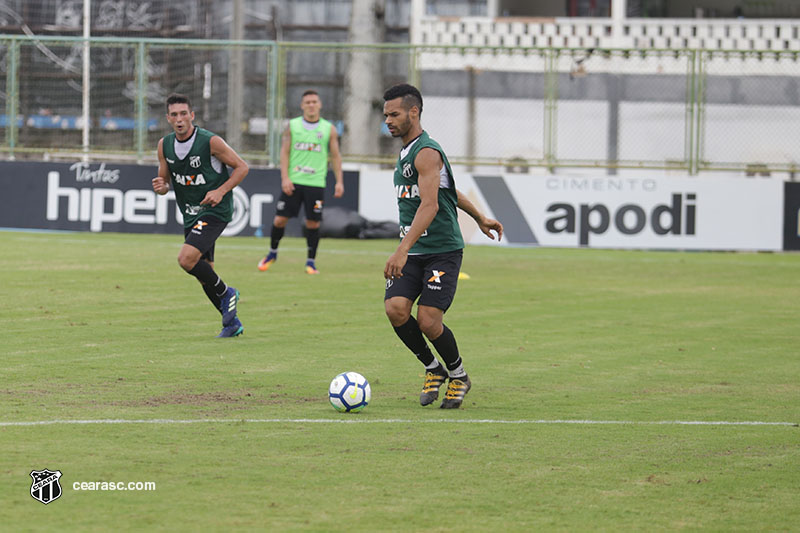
513 107
749 111
351 81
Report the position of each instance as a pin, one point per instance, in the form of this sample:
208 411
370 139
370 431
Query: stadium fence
690 110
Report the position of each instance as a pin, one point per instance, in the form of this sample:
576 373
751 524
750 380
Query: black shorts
204 234
431 277
311 197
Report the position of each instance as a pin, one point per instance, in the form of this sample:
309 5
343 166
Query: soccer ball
349 392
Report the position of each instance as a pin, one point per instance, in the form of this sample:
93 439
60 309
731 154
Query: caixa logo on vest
45 486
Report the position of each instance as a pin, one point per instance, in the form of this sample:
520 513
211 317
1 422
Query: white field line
172 421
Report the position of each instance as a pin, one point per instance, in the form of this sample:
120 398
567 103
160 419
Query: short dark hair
410 95
177 98
308 92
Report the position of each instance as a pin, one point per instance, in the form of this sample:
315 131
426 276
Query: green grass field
584 363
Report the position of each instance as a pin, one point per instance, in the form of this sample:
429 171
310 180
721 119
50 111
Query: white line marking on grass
290 248
36 230
172 421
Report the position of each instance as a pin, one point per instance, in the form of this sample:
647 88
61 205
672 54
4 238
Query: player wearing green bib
194 174
195 162
307 145
427 261
308 159
443 234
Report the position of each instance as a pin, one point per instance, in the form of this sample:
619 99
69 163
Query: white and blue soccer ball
349 392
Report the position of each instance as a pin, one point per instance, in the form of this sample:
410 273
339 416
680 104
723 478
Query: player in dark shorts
195 162
427 262
309 198
308 144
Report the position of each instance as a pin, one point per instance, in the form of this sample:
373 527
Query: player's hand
338 190
394 265
287 187
488 224
213 198
160 185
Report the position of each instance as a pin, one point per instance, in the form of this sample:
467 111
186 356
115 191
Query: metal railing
518 107
603 32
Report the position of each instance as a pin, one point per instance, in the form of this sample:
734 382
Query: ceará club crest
45 486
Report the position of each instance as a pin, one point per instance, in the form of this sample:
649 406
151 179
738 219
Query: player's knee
280 222
313 224
430 326
186 262
398 315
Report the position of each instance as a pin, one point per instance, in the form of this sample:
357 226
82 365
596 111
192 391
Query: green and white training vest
308 155
444 233
194 175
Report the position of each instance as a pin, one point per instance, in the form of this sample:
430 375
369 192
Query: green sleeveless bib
308 156
444 233
193 176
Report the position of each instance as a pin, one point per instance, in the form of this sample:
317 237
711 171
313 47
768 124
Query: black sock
219 287
447 348
212 283
275 236
412 337
312 239
211 292
204 272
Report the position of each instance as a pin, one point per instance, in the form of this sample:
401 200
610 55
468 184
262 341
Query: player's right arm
161 182
286 146
428 163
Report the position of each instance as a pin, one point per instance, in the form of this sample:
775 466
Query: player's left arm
228 156
484 223
336 163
